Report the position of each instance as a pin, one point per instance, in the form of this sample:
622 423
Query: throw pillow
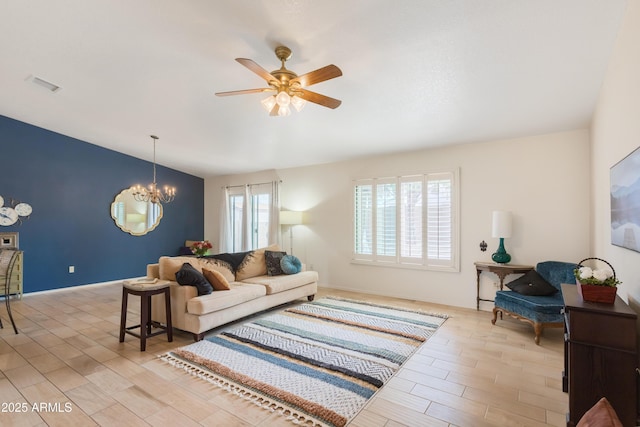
531 283
189 276
272 258
601 414
290 264
218 265
216 279
254 264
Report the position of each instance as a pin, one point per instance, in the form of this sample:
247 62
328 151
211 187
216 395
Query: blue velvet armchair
540 311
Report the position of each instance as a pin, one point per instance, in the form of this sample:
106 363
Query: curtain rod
251 185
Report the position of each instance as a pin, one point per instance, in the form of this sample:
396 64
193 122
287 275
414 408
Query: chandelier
152 193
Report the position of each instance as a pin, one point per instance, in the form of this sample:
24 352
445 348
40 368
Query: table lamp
501 228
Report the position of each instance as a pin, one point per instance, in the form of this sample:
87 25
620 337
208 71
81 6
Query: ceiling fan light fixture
298 103
284 111
268 103
283 99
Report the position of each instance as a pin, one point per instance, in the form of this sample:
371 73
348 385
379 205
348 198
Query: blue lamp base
501 256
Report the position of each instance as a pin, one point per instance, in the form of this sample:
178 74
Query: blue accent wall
70 184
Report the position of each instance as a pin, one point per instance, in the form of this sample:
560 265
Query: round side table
145 290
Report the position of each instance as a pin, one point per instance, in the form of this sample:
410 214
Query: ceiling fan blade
316 98
258 70
246 91
320 75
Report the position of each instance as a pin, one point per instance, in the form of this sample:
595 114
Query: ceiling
416 74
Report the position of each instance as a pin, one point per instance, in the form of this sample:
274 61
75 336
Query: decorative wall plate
23 209
8 216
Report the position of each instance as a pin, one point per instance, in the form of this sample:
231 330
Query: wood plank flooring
68 362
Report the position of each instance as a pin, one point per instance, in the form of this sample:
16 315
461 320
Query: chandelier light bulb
284 111
283 99
298 103
269 103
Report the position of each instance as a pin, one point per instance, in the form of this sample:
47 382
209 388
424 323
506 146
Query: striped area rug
317 363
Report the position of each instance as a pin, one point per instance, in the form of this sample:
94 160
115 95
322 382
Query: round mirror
134 217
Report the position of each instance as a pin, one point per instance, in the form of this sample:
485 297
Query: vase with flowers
596 284
201 248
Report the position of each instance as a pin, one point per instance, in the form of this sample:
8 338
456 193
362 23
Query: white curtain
244 239
225 222
274 214
247 213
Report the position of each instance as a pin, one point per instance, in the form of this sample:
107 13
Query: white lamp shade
501 226
269 103
291 217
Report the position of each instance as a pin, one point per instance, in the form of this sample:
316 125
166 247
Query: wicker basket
595 293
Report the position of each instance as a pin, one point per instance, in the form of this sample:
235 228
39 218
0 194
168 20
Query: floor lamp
291 218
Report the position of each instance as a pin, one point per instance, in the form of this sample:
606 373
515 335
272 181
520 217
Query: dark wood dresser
600 356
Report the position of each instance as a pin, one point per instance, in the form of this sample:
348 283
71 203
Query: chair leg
7 299
495 315
537 328
123 313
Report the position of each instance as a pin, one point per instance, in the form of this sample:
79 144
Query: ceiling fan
289 88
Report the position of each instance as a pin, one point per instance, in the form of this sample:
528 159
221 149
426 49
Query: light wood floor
67 357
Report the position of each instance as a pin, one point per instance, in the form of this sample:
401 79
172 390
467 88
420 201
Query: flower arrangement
598 277
201 248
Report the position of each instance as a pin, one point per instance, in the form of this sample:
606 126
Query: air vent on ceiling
45 84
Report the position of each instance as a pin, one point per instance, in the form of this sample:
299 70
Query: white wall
616 133
543 180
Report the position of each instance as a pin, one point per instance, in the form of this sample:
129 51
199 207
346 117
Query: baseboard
48 291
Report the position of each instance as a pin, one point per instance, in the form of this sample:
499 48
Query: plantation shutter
440 212
363 220
411 219
386 214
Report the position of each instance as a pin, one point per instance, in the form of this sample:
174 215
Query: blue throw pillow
189 276
290 264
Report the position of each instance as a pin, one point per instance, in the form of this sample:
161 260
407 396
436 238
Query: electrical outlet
72 269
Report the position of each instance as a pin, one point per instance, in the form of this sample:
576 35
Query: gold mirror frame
134 217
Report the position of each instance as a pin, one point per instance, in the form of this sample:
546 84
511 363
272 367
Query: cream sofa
252 291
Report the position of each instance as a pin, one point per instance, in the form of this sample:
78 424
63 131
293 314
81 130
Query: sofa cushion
239 293
275 284
531 283
189 276
220 266
169 266
216 279
272 258
254 264
537 308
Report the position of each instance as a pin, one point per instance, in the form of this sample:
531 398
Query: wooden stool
145 291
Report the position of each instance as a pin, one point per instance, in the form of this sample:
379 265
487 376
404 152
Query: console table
500 270
600 356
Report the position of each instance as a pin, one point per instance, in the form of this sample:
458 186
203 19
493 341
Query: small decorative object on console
596 285
201 248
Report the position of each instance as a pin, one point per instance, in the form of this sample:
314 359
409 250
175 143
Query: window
407 221
257 219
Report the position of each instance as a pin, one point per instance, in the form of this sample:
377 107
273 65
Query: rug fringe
256 398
